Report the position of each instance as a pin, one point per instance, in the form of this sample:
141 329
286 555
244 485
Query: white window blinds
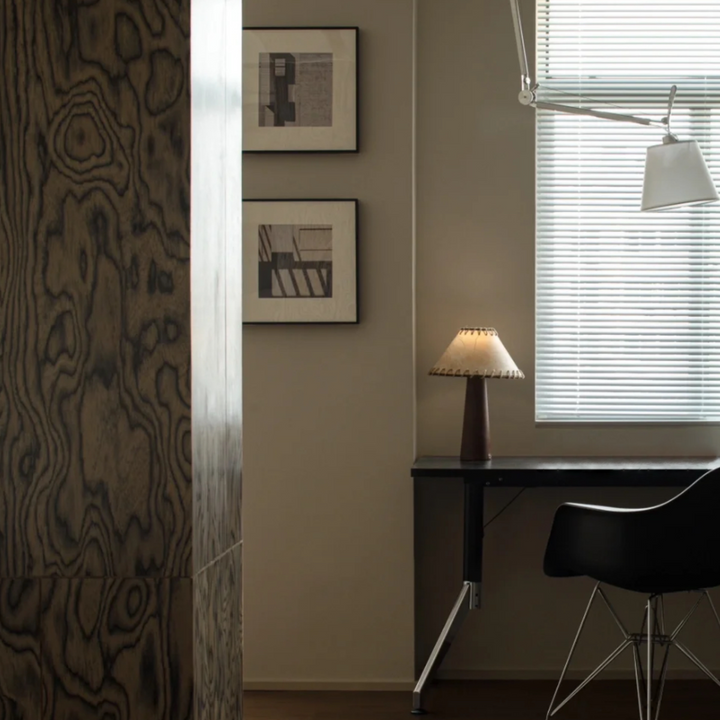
627 303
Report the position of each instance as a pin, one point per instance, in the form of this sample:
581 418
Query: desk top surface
568 471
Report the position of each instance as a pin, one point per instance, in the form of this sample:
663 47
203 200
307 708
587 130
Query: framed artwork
300 89
300 261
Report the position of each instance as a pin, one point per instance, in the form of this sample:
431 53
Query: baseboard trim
450 674
325 686
407 686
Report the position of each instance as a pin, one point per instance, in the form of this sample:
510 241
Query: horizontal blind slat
627 303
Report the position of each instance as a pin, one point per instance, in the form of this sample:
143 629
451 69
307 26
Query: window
627 303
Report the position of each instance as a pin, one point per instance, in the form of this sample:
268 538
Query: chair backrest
706 489
696 510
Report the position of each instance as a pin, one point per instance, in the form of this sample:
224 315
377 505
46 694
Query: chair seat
672 547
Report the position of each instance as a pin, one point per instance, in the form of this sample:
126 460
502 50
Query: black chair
673 547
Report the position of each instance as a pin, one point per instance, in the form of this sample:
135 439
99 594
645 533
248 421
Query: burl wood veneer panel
118 649
95 447
20 686
218 638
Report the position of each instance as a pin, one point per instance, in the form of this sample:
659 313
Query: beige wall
329 411
475 266
327 501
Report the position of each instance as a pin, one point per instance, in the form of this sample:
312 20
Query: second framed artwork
300 89
300 261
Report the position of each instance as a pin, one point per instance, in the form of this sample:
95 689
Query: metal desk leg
469 598
452 625
473 538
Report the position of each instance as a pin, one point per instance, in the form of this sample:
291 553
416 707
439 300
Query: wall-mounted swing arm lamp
675 171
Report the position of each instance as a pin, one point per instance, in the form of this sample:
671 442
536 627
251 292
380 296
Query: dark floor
528 700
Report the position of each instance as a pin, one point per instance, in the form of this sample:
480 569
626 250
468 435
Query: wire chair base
654 637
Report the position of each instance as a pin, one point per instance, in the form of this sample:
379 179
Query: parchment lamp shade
476 353
676 175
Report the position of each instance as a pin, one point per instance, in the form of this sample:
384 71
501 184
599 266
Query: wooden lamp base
476 423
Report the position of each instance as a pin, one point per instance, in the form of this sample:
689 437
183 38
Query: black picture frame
313 151
249 254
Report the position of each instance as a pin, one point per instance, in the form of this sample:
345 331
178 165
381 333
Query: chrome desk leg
462 606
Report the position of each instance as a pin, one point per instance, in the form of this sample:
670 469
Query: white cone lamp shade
676 175
477 351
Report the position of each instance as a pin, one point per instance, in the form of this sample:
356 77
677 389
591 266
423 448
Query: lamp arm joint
525 78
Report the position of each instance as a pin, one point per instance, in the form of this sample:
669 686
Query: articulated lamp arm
528 91
520 42
676 174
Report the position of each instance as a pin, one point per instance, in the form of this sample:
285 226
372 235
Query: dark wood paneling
117 649
20 686
95 475
218 638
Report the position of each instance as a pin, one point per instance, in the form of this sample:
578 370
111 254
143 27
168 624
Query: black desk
531 473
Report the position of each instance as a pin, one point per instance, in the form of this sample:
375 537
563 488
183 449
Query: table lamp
476 353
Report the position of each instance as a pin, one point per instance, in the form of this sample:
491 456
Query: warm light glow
477 351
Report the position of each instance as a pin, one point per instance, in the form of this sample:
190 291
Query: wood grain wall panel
95 468
96 436
218 638
117 648
20 686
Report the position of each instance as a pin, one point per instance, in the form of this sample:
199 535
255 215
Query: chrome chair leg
650 653
653 633
615 616
712 606
698 663
572 648
639 680
607 661
664 666
597 591
639 674
684 621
